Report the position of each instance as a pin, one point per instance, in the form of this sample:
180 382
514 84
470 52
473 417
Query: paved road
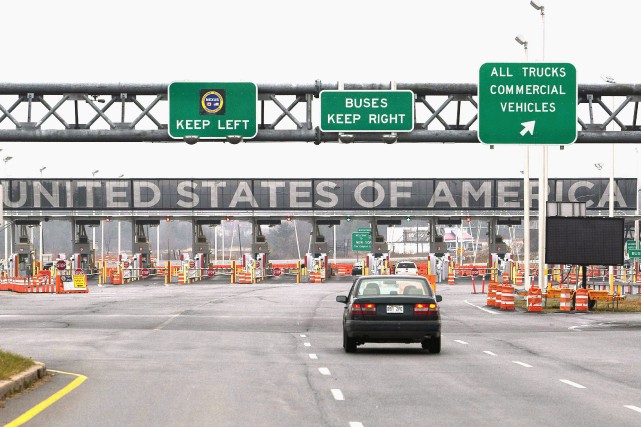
215 354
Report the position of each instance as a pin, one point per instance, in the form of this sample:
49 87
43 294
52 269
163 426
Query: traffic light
348 219
108 219
289 218
408 218
167 218
228 219
468 218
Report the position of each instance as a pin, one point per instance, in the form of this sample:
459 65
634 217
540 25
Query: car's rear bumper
386 331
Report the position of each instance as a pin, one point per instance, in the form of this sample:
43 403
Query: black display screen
584 241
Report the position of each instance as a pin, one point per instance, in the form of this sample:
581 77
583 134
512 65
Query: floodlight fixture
390 138
607 78
537 5
346 138
234 139
191 139
521 40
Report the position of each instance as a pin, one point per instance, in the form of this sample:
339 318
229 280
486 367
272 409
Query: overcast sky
281 41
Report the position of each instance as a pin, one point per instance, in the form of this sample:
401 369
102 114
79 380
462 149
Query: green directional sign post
362 241
634 253
630 245
212 110
527 103
367 111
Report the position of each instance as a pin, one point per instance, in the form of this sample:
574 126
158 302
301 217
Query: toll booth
499 258
84 256
141 245
260 247
316 260
377 262
439 259
200 244
21 262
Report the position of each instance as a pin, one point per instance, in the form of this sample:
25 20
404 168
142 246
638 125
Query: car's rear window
406 265
391 287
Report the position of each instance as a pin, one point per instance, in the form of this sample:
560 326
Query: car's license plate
395 309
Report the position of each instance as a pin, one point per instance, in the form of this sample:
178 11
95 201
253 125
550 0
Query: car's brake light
423 309
363 309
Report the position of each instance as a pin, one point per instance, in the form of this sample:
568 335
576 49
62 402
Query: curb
22 380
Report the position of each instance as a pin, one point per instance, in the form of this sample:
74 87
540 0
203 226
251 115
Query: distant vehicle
406 267
357 268
391 309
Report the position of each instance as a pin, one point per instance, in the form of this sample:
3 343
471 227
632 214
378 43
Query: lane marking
50 400
324 371
634 408
572 383
338 394
166 322
482 308
525 365
461 342
313 356
489 352
307 344
303 336
355 424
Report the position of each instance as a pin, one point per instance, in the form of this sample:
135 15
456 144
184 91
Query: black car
397 309
357 268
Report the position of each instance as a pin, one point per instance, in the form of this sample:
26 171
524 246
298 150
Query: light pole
93 174
543 178
526 195
521 40
610 80
41 169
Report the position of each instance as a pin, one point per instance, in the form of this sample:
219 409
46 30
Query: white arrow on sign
528 127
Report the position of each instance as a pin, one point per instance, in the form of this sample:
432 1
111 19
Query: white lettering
273 187
295 194
322 191
146 189
185 189
243 194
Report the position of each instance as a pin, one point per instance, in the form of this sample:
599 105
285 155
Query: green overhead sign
527 103
361 241
212 110
367 111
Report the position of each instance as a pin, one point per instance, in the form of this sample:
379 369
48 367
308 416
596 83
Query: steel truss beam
139 112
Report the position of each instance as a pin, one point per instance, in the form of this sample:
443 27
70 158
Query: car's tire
349 344
433 345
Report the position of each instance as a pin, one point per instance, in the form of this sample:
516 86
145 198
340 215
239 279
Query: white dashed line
338 394
525 365
572 383
461 342
324 371
307 344
489 352
313 356
355 424
482 308
634 408
303 336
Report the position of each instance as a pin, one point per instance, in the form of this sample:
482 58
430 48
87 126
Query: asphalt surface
215 354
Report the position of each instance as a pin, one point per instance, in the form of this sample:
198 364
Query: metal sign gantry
138 112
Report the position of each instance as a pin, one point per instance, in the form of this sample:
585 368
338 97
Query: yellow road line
49 401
